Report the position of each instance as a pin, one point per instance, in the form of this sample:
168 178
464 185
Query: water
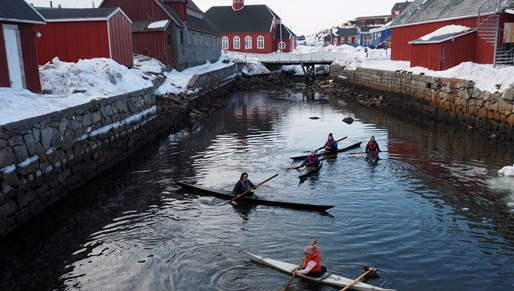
431 215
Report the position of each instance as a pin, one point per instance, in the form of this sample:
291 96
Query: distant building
398 8
176 32
251 28
344 35
18 57
85 33
372 20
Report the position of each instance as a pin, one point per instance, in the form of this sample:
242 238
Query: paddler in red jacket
311 263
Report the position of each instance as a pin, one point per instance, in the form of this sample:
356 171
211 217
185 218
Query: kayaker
330 145
311 265
312 160
244 185
372 149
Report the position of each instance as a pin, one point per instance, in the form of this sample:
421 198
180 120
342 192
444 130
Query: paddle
369 270
294 271
366 152
336 141
298 167
249 190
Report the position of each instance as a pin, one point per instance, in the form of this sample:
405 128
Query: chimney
238 4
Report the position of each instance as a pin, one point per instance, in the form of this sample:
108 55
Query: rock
348 120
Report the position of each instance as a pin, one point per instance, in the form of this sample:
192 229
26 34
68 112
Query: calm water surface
431 215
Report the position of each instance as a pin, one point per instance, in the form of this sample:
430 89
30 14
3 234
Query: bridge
308 61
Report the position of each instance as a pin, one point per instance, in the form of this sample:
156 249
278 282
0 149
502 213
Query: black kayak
228 195
353 146
307 171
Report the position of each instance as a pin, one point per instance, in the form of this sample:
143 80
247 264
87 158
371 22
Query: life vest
314 257
372 145
330 143
246 186
312 159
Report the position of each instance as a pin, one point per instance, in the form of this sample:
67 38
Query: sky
304 17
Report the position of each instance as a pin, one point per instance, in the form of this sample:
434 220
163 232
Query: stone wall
443 99
44 158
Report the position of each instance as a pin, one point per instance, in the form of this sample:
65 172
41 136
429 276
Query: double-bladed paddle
369 270
294 271
250 190
336 141
298 167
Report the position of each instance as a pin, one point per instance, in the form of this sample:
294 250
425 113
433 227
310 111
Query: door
14 56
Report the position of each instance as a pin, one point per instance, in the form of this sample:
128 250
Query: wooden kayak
307 171
228 195
353 146
328 278
372 157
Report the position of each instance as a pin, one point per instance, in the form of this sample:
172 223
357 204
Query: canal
432 214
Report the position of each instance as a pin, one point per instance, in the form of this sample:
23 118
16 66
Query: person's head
372 138
311 154
244 176
330 136
309 250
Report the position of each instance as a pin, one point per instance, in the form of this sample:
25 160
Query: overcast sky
302 16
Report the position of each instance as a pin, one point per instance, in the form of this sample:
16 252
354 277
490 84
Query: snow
71 84
158 24
449 29
506 171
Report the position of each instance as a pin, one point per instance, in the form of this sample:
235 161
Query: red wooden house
344 35
492 42
74 34
398 8
251 28
176 32
18 57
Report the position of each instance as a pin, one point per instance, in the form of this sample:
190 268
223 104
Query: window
281 45
224 43
237 42
248 42
260 42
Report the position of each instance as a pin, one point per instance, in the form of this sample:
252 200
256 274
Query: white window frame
224 43
260 42
237 42
248 42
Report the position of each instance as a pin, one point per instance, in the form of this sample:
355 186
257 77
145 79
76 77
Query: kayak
307 171
372 157
228 195
353 146
328 278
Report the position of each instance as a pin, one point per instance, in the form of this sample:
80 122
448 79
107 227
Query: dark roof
345 32
434 10
286 33
442 37
74 13
141 26
19 11
400 6
204 25
251 18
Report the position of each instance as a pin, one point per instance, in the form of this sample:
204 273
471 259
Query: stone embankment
44 158
443 99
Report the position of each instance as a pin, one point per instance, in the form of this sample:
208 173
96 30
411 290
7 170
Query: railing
293 58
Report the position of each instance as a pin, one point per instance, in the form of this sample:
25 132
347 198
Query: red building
74 34
176 32
398 8
424 17
251 28
18 57
445 51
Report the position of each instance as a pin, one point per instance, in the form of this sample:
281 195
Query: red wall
155 45
269 46
442 56
401 36
71 41
28 50
4 70
120 33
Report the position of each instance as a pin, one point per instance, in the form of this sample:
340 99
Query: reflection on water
431 212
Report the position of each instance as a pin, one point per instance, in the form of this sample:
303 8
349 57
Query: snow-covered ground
71 84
